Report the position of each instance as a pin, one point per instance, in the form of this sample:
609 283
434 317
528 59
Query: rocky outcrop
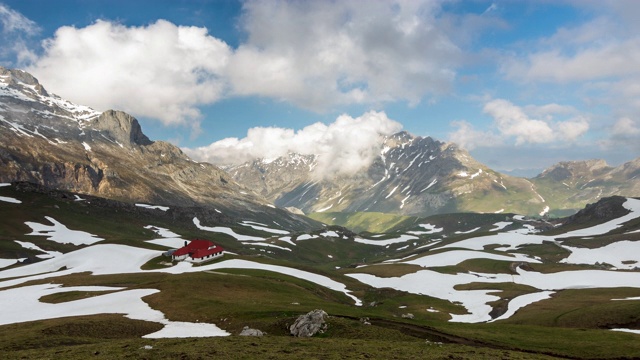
120 127
247 331
309 324
604 210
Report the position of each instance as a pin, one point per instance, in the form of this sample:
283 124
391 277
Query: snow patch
153 207
226 230
10 200
400 239
61 234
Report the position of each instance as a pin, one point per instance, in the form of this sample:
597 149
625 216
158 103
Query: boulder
247 331
309 324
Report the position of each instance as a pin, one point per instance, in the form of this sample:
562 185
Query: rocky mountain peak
398 139
21 81
122 127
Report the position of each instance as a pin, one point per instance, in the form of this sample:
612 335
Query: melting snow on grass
321 280
501 225
442 286
226 230
468 231
10 200
455 257
156 207
267 245
128 302
429 229
169 238
521 301
263 227
61 234
107 259
306 237
400 239
621 255
32 246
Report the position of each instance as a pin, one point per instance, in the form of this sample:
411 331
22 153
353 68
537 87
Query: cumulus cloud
161 71
512 122
343 147
319 54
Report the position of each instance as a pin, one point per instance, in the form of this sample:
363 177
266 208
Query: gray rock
247 331
309 324
122 127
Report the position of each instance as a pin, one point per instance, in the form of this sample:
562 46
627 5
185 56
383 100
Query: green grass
572 343
62 297
268 347
372 222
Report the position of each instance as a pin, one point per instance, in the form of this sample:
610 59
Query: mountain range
52 142
421 176
49 141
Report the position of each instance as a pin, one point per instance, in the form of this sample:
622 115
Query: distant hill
569 186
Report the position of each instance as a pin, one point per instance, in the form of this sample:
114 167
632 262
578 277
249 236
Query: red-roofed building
198 251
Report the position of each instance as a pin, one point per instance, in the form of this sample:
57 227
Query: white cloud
319 54
469 138
344 146
13 21
625 127
512 122
161 70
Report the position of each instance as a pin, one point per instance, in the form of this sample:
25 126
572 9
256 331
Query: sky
521 85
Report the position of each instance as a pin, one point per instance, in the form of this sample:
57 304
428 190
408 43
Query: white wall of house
207 258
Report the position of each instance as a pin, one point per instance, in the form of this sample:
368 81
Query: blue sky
520 84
